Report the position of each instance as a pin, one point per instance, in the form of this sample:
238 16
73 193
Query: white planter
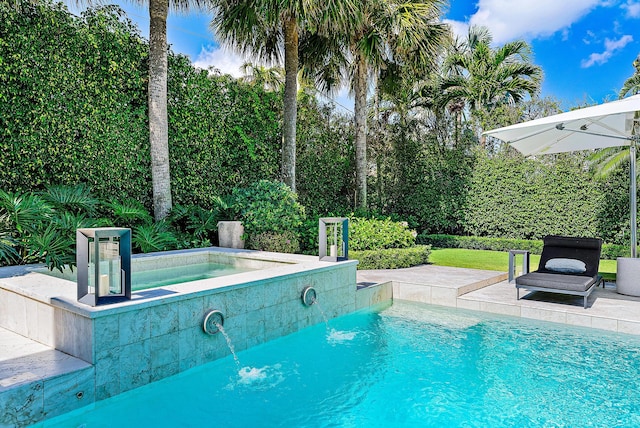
230 234
628 276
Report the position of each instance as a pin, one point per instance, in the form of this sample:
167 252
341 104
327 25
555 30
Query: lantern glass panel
110 279
92 266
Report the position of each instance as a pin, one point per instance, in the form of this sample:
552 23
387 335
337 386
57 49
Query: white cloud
632 8
529 19
225 60
611 46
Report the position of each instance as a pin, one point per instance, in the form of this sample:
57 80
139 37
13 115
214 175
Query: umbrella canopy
612 124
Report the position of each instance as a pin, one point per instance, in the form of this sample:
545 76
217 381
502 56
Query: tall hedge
514 197
73 109
222 133
72 100
325 169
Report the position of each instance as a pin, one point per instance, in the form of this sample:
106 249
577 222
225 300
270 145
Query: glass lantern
333 239
103 257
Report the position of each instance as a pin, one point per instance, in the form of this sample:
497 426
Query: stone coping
30 281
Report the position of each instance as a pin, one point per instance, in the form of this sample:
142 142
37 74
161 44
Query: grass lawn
497 260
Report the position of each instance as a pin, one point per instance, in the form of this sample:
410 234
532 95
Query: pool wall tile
496 308
473 305
444 296
46 329
579 320
604 323
412 292
107 373
71 392
22 405
164 349
73 334
135 365
629 327
163 319
16 314
543 314
160 372
191 313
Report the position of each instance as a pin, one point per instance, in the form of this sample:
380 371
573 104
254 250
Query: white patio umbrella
611 124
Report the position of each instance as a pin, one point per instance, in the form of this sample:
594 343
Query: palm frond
153 237
129 213
23 212
71 198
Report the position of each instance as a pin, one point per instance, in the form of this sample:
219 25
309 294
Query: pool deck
489 291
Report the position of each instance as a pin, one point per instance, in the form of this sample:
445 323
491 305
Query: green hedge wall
72 100
513 197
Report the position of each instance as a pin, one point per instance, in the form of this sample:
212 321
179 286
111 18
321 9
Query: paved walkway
488 291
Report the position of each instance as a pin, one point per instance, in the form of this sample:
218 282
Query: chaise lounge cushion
555 281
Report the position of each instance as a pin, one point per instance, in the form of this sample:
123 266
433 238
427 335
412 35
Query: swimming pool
407 365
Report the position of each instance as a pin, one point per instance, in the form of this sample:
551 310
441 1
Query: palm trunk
290 102
158 128
360 113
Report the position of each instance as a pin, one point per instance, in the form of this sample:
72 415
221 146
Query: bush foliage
609 251
267 206
392 258
376 234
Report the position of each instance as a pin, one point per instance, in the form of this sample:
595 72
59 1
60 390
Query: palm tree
485 78
605 161
158 122
270 30
269 78
390 33
632 84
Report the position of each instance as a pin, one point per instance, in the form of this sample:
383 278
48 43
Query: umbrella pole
633 194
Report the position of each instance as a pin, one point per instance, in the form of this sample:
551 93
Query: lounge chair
567 266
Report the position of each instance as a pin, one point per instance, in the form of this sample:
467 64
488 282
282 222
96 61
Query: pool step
38 382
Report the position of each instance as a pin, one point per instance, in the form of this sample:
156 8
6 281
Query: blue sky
585 47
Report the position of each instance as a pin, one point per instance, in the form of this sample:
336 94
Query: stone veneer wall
133 348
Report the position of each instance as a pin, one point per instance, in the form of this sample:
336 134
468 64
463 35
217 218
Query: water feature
408 365
333 335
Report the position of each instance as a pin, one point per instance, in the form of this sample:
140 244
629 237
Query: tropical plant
270 78
129 213
484 77
76 199
156 236
632 84
47 245
158 122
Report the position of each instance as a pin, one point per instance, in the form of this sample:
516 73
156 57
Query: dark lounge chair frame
585 249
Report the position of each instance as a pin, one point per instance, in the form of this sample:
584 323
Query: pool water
141 280
407 365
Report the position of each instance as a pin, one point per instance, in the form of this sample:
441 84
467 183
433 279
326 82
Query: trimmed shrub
609 251
392 258
480 243
267 206
375 234
285 242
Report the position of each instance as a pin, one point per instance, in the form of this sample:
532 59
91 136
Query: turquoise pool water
404 366
141 280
